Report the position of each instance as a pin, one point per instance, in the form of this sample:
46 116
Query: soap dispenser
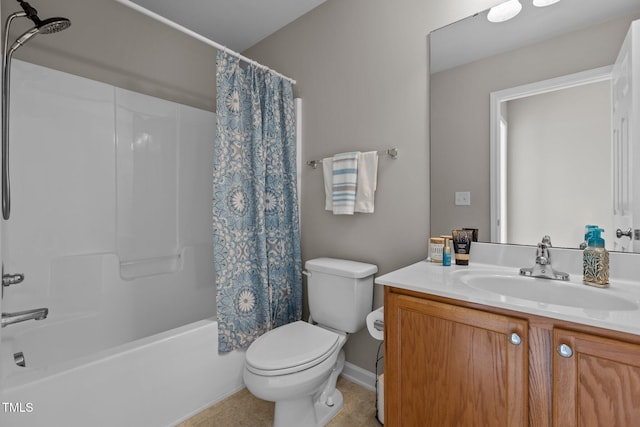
587 234
595 260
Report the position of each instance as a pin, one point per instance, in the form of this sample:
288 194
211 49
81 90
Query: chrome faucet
22 316
19 316
542 267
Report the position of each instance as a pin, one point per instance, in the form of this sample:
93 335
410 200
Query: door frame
496 99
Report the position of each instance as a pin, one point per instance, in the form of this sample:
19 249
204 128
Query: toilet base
325 413
306 412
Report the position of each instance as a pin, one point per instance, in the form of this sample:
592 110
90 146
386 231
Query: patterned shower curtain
256 235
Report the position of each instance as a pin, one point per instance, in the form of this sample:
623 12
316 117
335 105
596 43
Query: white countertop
434 279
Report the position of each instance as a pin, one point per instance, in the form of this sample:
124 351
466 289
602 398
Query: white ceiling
475 37
239 24
236 24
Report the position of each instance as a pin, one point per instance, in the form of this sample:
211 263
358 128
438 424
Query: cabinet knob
565 351
515 339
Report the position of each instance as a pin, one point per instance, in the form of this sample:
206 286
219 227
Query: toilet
297 365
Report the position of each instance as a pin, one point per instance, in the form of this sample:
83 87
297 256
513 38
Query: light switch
463 198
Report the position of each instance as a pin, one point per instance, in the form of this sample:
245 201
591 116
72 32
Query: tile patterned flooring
244 410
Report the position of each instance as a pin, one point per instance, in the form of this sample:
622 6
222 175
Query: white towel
345 178
327 173
367 181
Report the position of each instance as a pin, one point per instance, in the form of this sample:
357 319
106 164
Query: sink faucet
21 316
542 267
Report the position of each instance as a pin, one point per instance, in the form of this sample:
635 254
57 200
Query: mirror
473 58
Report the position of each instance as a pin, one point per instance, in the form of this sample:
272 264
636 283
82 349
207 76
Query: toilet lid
290 348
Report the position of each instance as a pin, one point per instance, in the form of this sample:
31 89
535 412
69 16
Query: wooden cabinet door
596 381
452 366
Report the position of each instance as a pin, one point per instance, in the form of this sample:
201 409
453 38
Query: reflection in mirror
564 178
546 137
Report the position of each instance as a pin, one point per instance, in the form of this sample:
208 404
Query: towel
345 176
367 181
327 173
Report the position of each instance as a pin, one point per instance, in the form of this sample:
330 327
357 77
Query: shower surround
111 226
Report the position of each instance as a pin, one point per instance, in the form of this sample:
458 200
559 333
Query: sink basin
546 291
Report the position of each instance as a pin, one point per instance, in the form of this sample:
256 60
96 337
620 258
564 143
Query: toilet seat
291 348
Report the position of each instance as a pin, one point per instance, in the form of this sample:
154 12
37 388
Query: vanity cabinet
456 363
597 381
447 365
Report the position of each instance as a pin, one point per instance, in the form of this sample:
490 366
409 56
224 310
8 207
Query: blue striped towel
345 178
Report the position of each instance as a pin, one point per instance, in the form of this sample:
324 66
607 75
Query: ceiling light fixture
505 11
543 3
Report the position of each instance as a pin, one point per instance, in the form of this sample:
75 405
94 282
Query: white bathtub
158 381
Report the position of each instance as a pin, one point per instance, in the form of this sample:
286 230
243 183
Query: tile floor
243 409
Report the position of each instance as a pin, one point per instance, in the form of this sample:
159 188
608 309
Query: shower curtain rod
197 36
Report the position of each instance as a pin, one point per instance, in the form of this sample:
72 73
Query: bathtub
159 380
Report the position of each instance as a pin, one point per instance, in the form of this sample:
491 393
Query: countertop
434 279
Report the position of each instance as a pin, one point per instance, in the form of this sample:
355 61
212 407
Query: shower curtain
256 232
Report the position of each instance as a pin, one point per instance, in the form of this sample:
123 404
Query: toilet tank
340 292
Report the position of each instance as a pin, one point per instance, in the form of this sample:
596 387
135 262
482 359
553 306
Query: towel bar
392 152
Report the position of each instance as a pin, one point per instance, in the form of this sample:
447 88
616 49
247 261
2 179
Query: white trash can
381 398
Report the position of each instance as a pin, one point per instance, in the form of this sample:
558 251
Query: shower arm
6 76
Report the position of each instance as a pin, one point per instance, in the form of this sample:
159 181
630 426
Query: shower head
48 26
53 25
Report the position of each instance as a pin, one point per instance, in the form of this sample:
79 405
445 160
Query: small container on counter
436 245
595 262
462 245
446 254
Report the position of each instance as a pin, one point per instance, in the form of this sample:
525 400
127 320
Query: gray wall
361 67
460 115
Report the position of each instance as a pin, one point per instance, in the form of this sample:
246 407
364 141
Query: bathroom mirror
471 59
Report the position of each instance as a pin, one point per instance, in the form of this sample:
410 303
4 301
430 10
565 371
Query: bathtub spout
21 316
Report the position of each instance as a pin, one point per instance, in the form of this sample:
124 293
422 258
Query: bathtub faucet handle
12 279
